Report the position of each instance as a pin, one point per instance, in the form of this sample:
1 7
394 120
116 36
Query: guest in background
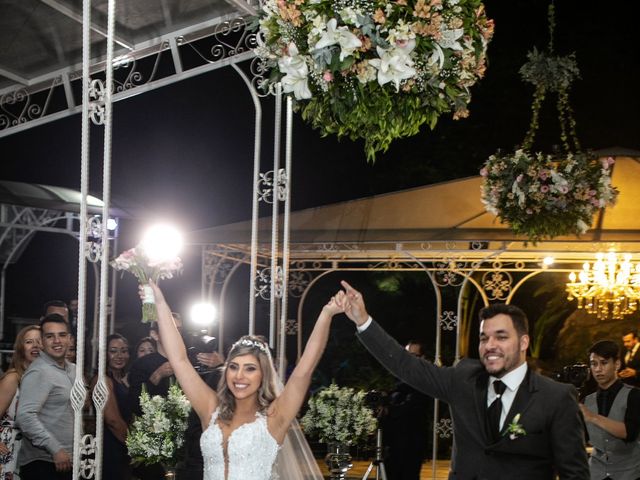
612 415
630 371
145 346
405 427
71 351
155 373
115 460
56 306
25 350
152 370
73 316
44 412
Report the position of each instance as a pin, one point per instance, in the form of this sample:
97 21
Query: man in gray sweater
44 412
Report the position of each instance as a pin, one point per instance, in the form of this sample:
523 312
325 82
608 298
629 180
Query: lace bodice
251 449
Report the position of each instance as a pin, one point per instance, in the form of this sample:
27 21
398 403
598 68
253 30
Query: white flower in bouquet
158 434
145 263
339 415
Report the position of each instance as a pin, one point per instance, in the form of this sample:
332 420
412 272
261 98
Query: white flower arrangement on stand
339 415
158 434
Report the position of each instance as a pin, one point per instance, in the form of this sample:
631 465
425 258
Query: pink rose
484 172
327 76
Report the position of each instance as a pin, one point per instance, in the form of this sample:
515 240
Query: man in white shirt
630 371
509 421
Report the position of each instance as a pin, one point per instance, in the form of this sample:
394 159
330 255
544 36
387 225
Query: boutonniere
515 429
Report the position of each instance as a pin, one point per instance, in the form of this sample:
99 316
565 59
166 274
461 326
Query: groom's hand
353 304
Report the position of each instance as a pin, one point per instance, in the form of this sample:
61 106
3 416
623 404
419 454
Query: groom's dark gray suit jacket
554 439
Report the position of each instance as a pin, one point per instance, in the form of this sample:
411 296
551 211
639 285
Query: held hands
352 303
333 305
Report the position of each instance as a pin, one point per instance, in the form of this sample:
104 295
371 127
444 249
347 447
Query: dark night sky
184 152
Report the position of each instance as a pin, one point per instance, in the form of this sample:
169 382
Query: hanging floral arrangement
374 69
543 195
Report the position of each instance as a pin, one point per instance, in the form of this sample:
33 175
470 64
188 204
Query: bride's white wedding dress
251 451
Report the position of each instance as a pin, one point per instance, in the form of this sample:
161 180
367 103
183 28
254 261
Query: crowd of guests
36 416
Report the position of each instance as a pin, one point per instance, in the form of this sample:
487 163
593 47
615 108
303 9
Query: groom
525 427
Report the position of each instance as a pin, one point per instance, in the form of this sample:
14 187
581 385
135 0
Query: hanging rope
551 73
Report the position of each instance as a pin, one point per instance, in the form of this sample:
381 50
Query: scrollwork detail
87 456
444 427
497 284
448 320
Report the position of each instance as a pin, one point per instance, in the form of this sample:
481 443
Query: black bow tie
495 411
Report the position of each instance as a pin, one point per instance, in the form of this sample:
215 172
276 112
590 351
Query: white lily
296 74
335 35
393 66
449 38
437 56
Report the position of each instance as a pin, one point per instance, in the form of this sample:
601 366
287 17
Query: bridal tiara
245 342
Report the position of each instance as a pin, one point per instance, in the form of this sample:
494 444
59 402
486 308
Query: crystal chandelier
609 289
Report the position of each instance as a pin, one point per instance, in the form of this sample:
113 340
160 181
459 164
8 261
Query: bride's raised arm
286 406
203 399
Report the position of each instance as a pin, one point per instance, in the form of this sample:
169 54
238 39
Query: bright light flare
548 261
162 242
203 314
112 224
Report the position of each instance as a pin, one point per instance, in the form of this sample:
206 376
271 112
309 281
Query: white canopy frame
96 107
478 253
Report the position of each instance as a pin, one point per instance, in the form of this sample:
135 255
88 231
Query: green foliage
539 195
556 309
339 415
375 70
553 73
158 434
544 196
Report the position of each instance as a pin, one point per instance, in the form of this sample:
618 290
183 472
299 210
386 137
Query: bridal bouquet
137 262
339 415
158 435
374 69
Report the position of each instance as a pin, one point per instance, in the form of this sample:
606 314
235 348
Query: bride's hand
333 306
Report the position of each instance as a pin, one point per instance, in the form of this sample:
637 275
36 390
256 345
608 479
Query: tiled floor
360 467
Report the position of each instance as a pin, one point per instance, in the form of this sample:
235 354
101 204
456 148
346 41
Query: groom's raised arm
419 373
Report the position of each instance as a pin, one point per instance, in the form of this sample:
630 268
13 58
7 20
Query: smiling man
613 417
44 412
509 422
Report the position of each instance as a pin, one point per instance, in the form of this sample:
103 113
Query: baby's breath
339 415
158 434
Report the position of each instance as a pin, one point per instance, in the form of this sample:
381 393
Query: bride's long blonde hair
248 345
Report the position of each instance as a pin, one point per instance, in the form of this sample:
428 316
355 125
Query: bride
244 422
